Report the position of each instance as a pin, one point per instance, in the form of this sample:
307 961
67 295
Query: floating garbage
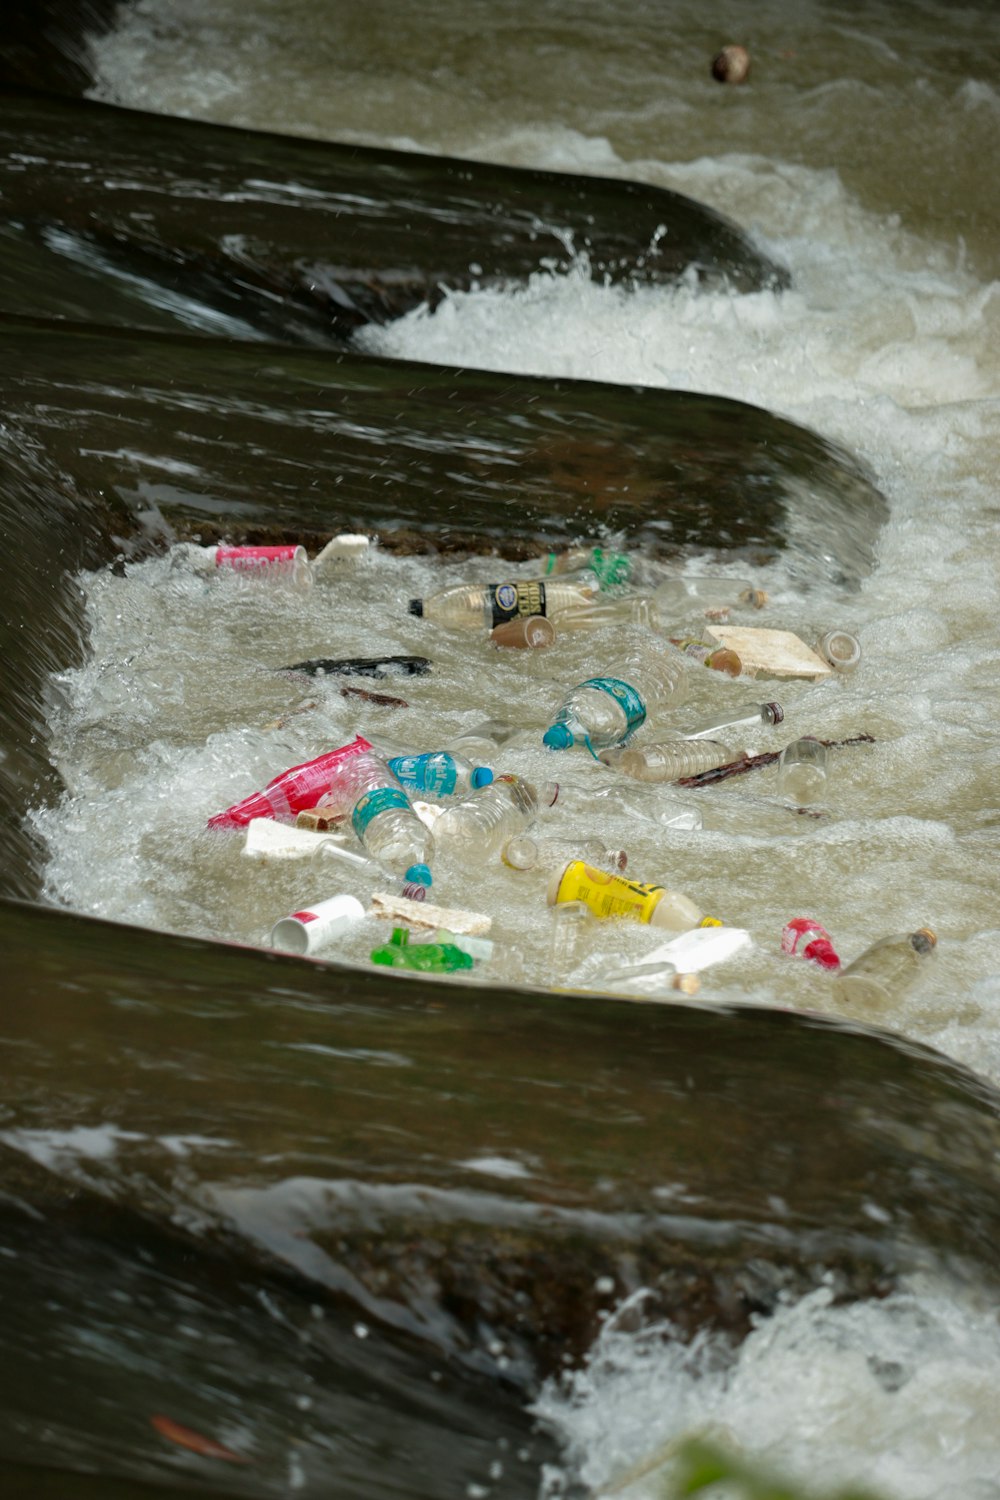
361 666
426 957
620 799
294 790
538 850
716 658
476 828
268 840
382 817
528 632
290 563
882 974
605 710
305 931
668 760
608 895
802 772
439 773
426 914
840 649
485 606
776 653
804 937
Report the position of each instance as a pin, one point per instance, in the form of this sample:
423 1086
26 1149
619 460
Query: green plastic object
429 958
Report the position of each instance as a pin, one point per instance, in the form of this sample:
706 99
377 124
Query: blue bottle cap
558 736
481 776
419 874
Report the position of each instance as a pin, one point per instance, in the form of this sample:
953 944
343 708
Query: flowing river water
858 154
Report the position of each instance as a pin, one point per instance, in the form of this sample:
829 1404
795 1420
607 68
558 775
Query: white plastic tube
305 931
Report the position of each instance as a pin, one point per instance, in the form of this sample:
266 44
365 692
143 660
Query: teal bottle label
381 800
625 695
512 600
434 773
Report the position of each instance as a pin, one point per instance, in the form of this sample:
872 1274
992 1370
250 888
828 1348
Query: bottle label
382 799
625 696
509 601
608 895
612 568
434 773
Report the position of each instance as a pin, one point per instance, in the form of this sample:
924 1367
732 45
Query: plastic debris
426 914
361 666
806 938
802 773
429 958
841 649
776 653
315 926
610 895
293 790
882 974
526 633
267 840
606 710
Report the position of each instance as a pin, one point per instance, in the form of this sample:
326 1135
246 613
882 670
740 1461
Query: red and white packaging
293 791
305 931
289 561
804 937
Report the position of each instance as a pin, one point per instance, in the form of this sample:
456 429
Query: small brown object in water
731 65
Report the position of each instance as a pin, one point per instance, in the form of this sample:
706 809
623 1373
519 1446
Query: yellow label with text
606 895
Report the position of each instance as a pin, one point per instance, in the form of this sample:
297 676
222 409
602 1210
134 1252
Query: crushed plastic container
626 799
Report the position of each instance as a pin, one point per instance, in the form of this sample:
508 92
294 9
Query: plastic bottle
382 817
477 827
617 799
717 658
568 923
289 563
802 772
531 851
605 710
804 937
293 791
706 594
608 895
885 971
483 739
484 606
428 958
661 611
343 857
743 716
840 649
610 569
438 773
668 760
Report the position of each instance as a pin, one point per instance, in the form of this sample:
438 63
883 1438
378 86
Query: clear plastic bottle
666 608
382 817
644 803
669 760
439 773
540 850
485 606
743 716
880 977
716 658
605 710
840 649
483 739
356 862
476 828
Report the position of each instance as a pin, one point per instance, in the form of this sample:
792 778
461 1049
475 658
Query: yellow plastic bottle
608 895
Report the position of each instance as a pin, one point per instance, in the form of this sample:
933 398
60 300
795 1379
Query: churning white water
889 342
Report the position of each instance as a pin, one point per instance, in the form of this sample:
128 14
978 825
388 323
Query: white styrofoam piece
700 948
267 839
425 914
780 653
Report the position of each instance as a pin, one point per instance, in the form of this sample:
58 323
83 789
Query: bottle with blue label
383 819
608 708
439 773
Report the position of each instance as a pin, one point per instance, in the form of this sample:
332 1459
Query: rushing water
857 155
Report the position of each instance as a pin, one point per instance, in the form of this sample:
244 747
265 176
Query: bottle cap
774 713
924 940
558 736
419 875
481 776
821 951
416 606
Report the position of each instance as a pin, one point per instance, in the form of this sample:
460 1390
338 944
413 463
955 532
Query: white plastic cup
305 931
